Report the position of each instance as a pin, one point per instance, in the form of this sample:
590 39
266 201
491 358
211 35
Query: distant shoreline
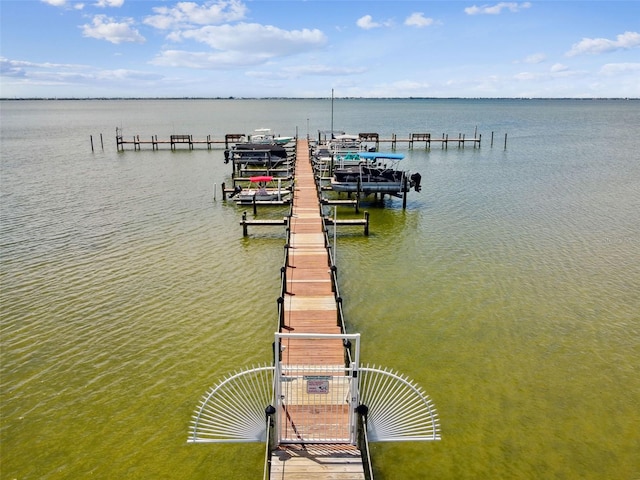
315 98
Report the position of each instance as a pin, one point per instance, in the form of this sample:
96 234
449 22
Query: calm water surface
509 287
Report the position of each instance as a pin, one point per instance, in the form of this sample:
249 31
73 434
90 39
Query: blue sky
297 48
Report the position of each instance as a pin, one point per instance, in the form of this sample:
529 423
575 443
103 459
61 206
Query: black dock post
244 224
405 192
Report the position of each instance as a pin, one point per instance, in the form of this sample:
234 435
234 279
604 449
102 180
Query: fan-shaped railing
234 409
397 409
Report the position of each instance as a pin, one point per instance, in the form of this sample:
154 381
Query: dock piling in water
231 138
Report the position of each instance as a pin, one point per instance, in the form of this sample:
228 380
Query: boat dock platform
316 408
315 429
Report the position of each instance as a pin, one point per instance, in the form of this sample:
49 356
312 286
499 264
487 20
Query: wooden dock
322 406
309 306
187 141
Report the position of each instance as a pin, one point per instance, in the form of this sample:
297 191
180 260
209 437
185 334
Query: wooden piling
175 140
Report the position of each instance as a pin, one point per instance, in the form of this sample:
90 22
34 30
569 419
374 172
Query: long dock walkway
315 421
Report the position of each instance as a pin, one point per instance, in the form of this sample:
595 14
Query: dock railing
334 286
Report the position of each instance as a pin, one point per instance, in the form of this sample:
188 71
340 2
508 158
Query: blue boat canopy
377 155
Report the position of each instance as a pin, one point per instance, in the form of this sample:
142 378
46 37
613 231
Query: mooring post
224 194
119 145
244 224
91 138
255 205
101 143
491 140
366 224
405 191
505 141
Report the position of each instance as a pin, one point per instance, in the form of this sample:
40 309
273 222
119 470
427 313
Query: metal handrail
363 441
266 471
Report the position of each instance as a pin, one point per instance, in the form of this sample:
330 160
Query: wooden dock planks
339 462
309 303
310 307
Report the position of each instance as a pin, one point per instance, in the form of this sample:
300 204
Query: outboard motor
226 156
236 190
415 181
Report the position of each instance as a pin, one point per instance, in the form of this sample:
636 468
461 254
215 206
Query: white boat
336 148
260 189
264 135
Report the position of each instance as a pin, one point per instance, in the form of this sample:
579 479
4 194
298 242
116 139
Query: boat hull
367 187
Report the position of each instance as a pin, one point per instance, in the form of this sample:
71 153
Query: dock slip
316 408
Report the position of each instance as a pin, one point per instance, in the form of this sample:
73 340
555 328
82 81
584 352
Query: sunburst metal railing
395 408
234 409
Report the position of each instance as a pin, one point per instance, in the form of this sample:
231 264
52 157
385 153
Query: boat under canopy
259 190
375 172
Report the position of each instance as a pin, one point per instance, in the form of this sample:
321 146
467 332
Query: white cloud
105 28
12 68
63 3
592 46
239 45
558 67
367 23
620 69
526 76
535 58
317 70
417 19
56 3
325 70
109 3
252 38
190 13
64 73
497 8
207 60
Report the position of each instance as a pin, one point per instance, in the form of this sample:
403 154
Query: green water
508 288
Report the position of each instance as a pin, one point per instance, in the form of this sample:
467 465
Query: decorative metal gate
316 403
